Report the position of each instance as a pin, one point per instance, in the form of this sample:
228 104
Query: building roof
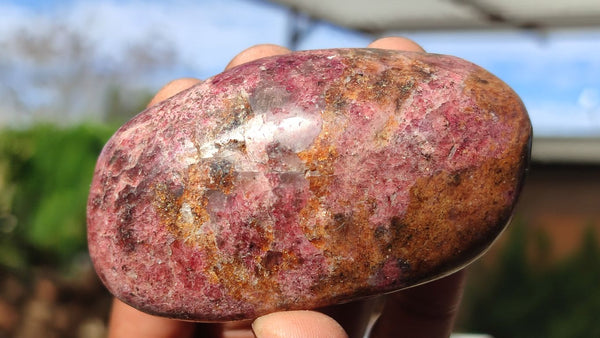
377 16
577 150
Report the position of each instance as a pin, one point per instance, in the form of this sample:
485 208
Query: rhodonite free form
306 180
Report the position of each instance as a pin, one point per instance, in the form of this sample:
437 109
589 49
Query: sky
557 74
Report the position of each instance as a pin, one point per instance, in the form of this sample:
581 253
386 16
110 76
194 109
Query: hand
423 311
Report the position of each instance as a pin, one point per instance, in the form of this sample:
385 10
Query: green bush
521 297
45 172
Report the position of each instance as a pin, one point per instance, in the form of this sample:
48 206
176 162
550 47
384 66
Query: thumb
297 324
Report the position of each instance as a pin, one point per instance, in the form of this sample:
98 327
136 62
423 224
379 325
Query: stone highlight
306 180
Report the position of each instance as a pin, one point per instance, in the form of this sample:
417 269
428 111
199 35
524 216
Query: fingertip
396 43
125 321
297 324
256 52
173 88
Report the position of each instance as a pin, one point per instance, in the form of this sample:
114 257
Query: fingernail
294 324
258 328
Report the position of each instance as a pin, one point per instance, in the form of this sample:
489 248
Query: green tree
521 298
46 171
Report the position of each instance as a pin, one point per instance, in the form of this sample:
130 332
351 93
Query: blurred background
71 72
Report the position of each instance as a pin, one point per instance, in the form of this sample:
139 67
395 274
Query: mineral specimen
305 180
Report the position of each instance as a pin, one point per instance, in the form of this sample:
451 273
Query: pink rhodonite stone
305 180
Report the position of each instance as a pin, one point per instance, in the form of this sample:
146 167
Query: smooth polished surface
305 180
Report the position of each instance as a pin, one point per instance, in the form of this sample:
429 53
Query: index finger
125 321
396 43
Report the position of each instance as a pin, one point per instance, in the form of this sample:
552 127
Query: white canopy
376 16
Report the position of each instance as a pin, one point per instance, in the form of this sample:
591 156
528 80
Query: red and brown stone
305 180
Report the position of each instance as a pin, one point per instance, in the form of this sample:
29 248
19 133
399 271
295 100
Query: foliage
521 298
45 172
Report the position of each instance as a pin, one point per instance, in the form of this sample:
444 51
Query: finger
256 52
427 310
235 329
396 43
173 88
297 324
127 322
356 317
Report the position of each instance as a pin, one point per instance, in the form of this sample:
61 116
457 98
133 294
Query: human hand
424 311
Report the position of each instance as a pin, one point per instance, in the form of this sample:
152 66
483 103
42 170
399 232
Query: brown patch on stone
185 215
499 104
351 254
221 176
453 216
450 219
387 133
167 206
126 204
272 261
236 110
236 145
235 275
184 212
319 166
319 160
365 80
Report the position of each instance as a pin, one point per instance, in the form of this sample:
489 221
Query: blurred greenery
45 172
525 294
122 104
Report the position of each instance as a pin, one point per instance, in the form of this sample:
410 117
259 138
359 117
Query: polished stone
306 180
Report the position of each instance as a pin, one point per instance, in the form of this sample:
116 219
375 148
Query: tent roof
376 16
566 150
